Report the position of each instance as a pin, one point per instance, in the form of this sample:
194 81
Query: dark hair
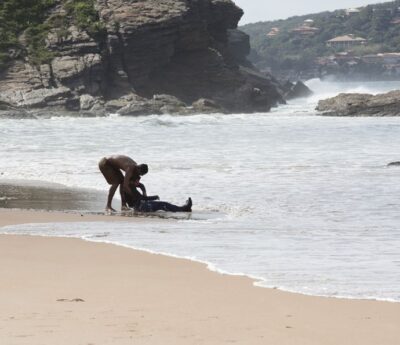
143 168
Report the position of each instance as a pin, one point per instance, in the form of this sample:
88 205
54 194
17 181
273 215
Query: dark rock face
8 111
298 90
238 45
189 50
387 104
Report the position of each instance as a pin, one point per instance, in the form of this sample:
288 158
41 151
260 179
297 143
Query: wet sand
51 197
68 291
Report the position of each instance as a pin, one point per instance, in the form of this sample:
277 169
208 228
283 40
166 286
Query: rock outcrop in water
152 57
297 90
394 164
355 104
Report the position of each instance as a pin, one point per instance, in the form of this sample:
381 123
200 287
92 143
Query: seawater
302 202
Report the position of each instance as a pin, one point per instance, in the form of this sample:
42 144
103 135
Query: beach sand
69 291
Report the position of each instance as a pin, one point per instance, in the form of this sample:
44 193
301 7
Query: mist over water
304 202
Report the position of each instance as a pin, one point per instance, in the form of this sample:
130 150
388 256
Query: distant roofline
347 38
305 28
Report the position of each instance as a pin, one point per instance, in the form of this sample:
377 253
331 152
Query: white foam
271 189
226 251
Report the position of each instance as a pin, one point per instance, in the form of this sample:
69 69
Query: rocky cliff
356 104
145 56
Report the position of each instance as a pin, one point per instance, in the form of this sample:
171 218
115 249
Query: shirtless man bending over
111 168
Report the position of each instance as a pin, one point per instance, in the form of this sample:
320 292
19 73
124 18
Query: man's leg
154 206
113 177
111 193
123 198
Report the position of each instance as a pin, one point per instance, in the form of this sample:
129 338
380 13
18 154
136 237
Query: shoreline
44 216
257 281
84 205
181 301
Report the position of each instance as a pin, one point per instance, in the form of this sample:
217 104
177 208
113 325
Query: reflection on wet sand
50 197
32 195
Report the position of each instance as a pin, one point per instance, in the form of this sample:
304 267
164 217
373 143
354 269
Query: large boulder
394 164
159 104
297 90
5 105
355 104
8 111
206 106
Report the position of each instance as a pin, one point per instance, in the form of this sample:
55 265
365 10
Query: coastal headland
131 58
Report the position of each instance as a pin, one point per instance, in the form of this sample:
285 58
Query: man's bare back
121 162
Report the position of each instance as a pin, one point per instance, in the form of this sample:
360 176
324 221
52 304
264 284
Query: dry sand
56 291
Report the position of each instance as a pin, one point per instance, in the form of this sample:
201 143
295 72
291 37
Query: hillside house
273 32
352 11
305 30
346 42
395 21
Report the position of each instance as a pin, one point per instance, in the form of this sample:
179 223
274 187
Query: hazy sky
261 10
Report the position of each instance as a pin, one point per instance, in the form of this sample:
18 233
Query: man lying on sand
143 203
112 167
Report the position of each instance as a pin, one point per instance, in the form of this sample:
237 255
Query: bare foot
110 209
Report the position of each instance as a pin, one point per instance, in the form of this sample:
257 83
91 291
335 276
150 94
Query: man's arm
152 198
131 173
144 193
143 189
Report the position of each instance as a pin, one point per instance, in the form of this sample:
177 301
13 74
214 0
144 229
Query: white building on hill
346 42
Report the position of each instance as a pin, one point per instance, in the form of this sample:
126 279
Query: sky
263 10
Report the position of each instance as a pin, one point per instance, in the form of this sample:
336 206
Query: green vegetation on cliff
28 21
291 50
17 16
84 15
